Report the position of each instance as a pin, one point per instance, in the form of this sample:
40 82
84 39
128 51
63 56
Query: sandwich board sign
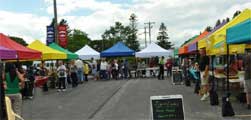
169 107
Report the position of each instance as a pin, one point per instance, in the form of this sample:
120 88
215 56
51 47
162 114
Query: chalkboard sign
167 107
177 77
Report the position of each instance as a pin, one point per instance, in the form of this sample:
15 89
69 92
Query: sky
183 18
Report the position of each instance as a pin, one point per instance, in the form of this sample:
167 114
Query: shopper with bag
13 83
62 74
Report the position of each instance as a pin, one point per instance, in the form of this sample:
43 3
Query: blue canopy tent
118 50
240 33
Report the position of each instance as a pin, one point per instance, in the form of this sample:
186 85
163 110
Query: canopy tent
193 45
47 52
23 53
70 55
154 50
118 50
86 53
184 48
8 54
206 42
219 36
176 52
240 33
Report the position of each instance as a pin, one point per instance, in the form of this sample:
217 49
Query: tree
77 39
131 32
218 22
163 37
236 13
208 29
18 40
227 19
64 22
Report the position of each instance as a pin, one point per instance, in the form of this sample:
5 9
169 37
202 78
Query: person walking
43 71
73 74
247 82
94 68
204 72
62 74
80 65
125 68
161 68
13 83
86 71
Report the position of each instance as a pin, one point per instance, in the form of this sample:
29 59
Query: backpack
62 73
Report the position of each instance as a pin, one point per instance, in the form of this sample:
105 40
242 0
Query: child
86 71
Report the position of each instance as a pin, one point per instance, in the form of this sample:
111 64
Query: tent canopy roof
153 50
6 53
240 33
87 52
22 52
118 49
70 55
47 52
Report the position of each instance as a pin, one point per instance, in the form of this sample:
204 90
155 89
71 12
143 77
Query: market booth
7 54
23 53
118 50
70 55
154 50
47 52
86 53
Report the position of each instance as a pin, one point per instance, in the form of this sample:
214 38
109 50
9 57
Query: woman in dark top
204 72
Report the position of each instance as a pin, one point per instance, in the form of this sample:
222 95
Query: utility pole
55 21
145 37
150 27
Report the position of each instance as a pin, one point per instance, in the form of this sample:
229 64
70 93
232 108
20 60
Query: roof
118 50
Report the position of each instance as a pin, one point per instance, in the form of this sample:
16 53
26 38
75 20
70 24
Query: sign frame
165 97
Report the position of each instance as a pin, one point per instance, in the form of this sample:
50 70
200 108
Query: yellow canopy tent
218 38
47 52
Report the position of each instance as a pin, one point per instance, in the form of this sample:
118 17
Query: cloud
23 25
183 18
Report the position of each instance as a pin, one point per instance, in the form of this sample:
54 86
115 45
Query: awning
193 45
118 50
23 53
183 50
154 50
219 36
47 52
8 54
86 53
70 55
240 33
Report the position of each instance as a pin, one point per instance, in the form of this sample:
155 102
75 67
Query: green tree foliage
119 32
218 22
163 37
19 40
208 29
131 32
77 39
236 13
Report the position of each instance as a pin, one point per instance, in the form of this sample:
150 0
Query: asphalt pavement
119 100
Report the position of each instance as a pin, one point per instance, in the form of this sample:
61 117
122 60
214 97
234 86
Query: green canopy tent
70 55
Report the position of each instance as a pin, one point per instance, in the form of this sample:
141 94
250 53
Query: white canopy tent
153 50
86 53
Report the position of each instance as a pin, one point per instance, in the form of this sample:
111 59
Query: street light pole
55 21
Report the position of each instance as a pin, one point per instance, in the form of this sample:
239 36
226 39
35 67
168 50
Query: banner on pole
50 35
62 35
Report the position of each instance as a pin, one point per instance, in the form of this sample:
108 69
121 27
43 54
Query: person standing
14 82
103 69
86 71
161 68
204 72
73 74
247 82
169 66
62 74
94 68
80 65
43 72
125 68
